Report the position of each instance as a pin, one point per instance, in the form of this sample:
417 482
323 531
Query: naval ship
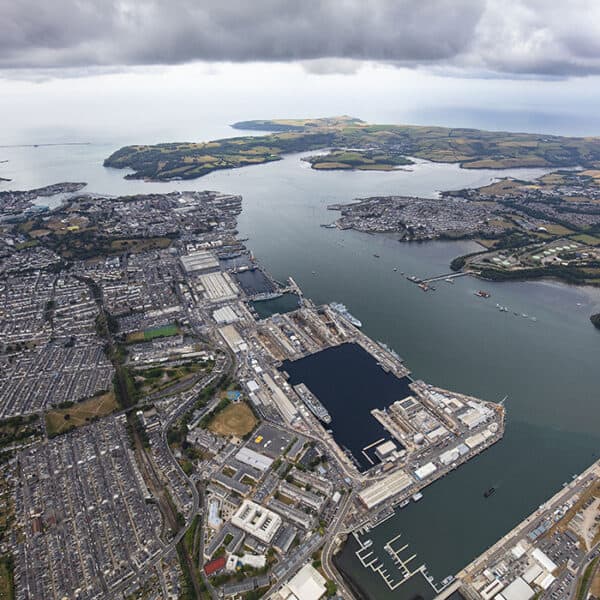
342 310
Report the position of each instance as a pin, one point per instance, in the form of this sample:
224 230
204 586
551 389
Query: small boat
416 497
395 269
482 294
449 280
314 272
376 255
489 492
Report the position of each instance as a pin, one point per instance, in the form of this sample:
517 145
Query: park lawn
81 413
158 332
140 245
235 419
155 379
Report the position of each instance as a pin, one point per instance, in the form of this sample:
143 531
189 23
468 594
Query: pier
444 276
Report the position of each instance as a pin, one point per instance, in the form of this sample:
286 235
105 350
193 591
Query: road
330 545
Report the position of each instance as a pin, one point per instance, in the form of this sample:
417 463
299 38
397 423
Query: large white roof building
307 584
257 521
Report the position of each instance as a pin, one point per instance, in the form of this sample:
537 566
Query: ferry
416 497
344 312
482 294
404 503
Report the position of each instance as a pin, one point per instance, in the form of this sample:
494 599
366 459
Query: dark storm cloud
535 37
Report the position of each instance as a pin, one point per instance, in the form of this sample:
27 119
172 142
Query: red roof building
213 566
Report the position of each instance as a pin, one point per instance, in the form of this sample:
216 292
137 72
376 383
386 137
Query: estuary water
548 368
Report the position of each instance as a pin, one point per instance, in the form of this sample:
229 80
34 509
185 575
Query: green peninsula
355 143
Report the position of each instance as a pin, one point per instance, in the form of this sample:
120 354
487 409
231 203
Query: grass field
557 229
80 413
7 590
584 238
150 334
236 419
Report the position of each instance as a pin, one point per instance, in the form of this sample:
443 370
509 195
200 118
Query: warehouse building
386 488
225 315
196 262
254 459
217 287
232 337
517 590
425 471
385 450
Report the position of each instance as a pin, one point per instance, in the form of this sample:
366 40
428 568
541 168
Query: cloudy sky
76 62
508 37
